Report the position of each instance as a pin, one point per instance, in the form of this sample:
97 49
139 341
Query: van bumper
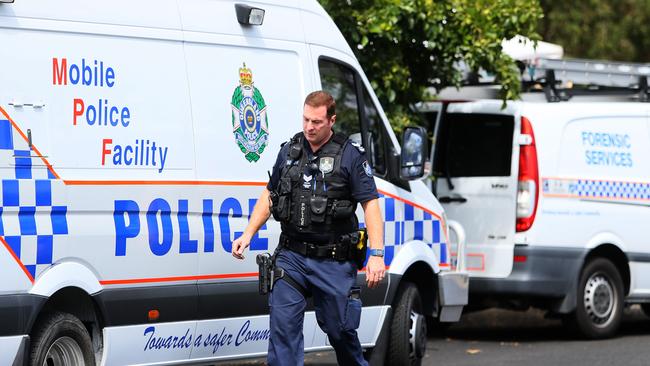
18 313
453 289
13 350
546 272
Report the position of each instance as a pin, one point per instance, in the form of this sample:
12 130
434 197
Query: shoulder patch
367 168
358 146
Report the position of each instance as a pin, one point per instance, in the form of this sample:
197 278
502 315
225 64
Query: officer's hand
239 245
375 270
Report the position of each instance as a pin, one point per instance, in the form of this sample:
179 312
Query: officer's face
315 124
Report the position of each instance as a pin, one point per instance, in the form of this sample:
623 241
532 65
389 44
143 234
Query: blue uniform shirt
354 166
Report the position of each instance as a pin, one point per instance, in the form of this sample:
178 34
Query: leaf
473 351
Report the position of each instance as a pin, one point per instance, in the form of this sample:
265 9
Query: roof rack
562 79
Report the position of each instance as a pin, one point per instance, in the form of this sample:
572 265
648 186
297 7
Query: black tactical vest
312 200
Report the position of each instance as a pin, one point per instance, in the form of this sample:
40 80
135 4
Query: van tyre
408 330
61 339
599 307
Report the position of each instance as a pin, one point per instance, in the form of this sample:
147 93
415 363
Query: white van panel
12 273
279 76
315 20
209 16
94 115
160 13
611 146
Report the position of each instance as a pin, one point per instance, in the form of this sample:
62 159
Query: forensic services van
135 138
553 190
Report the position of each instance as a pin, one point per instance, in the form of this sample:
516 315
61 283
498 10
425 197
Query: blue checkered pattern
611 189
589 188
30 216
404 222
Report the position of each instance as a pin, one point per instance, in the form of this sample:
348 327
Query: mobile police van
552 190
135 138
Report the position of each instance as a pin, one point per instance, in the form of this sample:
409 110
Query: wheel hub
64 351
417 336
599 300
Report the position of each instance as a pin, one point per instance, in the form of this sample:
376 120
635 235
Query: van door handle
447 199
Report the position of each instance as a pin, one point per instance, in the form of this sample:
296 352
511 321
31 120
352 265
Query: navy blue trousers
338 314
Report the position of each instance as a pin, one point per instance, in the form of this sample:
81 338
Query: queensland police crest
249 119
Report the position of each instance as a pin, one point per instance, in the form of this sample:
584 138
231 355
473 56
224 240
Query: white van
553 196
135 138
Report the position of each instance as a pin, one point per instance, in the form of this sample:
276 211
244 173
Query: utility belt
351 246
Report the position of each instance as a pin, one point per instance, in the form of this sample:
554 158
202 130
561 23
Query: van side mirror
414 152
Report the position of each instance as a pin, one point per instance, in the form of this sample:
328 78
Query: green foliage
599 29
407 46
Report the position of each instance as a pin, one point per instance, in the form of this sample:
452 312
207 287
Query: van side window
377 135
474 145
339 80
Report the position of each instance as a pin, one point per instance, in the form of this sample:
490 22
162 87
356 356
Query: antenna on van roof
562 79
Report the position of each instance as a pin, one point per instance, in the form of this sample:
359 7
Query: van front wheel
600 299
408 330
61 339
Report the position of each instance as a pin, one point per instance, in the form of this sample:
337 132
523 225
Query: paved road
501 338
498 337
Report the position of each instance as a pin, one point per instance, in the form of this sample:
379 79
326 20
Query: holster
266 275
269 273
359 248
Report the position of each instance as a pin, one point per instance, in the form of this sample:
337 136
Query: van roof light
248 15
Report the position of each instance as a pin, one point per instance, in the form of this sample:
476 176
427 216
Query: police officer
317 181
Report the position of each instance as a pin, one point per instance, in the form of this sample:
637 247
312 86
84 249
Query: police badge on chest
326 164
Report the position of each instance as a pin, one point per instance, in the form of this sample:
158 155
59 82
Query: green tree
407 46
599 29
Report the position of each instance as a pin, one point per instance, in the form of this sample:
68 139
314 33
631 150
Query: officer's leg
287 312
337 314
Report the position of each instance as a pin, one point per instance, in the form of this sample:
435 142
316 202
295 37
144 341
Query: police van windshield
474 145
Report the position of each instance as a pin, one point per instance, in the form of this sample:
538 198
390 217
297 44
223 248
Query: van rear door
474 169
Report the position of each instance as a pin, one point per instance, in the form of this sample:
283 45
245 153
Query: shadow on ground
530 326
494 326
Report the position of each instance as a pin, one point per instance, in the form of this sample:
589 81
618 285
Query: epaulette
358 146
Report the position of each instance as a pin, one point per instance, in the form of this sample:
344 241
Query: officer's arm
261 213
375 267
374 223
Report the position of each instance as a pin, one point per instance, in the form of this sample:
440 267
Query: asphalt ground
502 337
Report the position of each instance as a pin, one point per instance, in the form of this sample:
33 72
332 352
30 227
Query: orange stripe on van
160 182
191 278
178 278
29 275
15 125
420 207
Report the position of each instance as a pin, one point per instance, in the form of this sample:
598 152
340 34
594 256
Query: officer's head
319 115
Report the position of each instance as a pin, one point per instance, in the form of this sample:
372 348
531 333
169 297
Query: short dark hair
322 98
